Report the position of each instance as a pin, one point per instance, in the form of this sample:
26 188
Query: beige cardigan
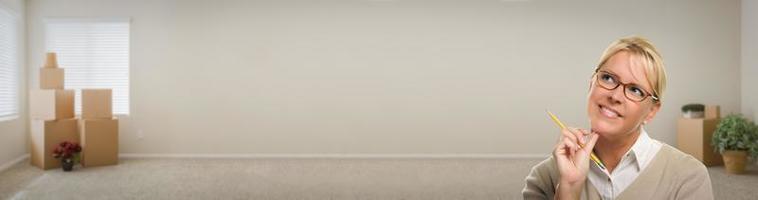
670 175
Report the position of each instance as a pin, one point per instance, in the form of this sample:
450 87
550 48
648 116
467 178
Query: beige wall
13 132
391 77
749 58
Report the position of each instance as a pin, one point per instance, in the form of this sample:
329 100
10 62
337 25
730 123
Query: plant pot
68 165
734 161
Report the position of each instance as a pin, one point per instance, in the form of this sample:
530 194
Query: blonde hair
645 52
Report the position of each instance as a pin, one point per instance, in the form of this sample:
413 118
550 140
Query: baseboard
9 164
338 156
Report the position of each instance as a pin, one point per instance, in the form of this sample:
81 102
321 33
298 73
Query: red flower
66 150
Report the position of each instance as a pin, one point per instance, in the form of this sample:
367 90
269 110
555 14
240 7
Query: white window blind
94 54
9 27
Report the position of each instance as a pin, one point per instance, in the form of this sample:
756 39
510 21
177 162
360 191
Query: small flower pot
734 161
68 165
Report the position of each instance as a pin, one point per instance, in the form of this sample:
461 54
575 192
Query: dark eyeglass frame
624 89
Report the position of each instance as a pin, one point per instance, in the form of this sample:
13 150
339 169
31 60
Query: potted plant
735 137
693 110
68 153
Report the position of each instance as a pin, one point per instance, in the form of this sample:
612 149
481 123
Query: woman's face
611 113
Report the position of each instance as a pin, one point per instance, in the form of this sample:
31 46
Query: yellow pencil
592 154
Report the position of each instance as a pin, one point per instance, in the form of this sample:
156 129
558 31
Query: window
94 54
9 53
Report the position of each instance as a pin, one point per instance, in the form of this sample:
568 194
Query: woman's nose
617 95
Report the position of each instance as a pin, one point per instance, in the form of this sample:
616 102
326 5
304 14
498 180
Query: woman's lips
607 112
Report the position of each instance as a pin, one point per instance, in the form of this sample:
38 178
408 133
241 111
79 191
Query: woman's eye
636 91
607 78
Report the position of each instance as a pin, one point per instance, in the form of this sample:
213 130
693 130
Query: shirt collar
640 151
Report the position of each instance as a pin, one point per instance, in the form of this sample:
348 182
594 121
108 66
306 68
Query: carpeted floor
300 179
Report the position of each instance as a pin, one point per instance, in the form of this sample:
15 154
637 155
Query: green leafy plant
735 133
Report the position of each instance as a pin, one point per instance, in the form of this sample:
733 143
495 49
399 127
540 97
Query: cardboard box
97 104
51 78
99 141
712 112
51 60
45 137
51 104
694 138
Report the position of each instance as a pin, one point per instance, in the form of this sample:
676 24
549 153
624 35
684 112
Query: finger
561 156
566 133
558 147
584 135
591 144
571 145
578 135
560 143
561 151
585 132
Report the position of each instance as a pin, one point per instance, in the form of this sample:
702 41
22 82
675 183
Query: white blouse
610 185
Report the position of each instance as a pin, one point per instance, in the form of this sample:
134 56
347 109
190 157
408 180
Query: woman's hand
573 161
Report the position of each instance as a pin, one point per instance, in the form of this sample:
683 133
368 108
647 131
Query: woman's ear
653 110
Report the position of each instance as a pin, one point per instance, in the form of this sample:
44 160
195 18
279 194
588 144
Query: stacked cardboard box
51 104
46 135
52 115
98 129
51 77
694 136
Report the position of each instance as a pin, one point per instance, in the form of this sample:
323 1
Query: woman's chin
603 128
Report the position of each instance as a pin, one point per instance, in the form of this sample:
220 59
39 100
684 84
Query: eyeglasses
632 92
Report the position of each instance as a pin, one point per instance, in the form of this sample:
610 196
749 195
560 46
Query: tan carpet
300 179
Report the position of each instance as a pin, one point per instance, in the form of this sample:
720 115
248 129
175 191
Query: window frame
14 75
48 46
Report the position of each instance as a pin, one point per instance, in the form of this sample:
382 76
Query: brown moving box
46 135
712 112
51 60
99 141
97 104
51 104
694 138
51 78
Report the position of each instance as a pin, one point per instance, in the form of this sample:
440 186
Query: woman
626 92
